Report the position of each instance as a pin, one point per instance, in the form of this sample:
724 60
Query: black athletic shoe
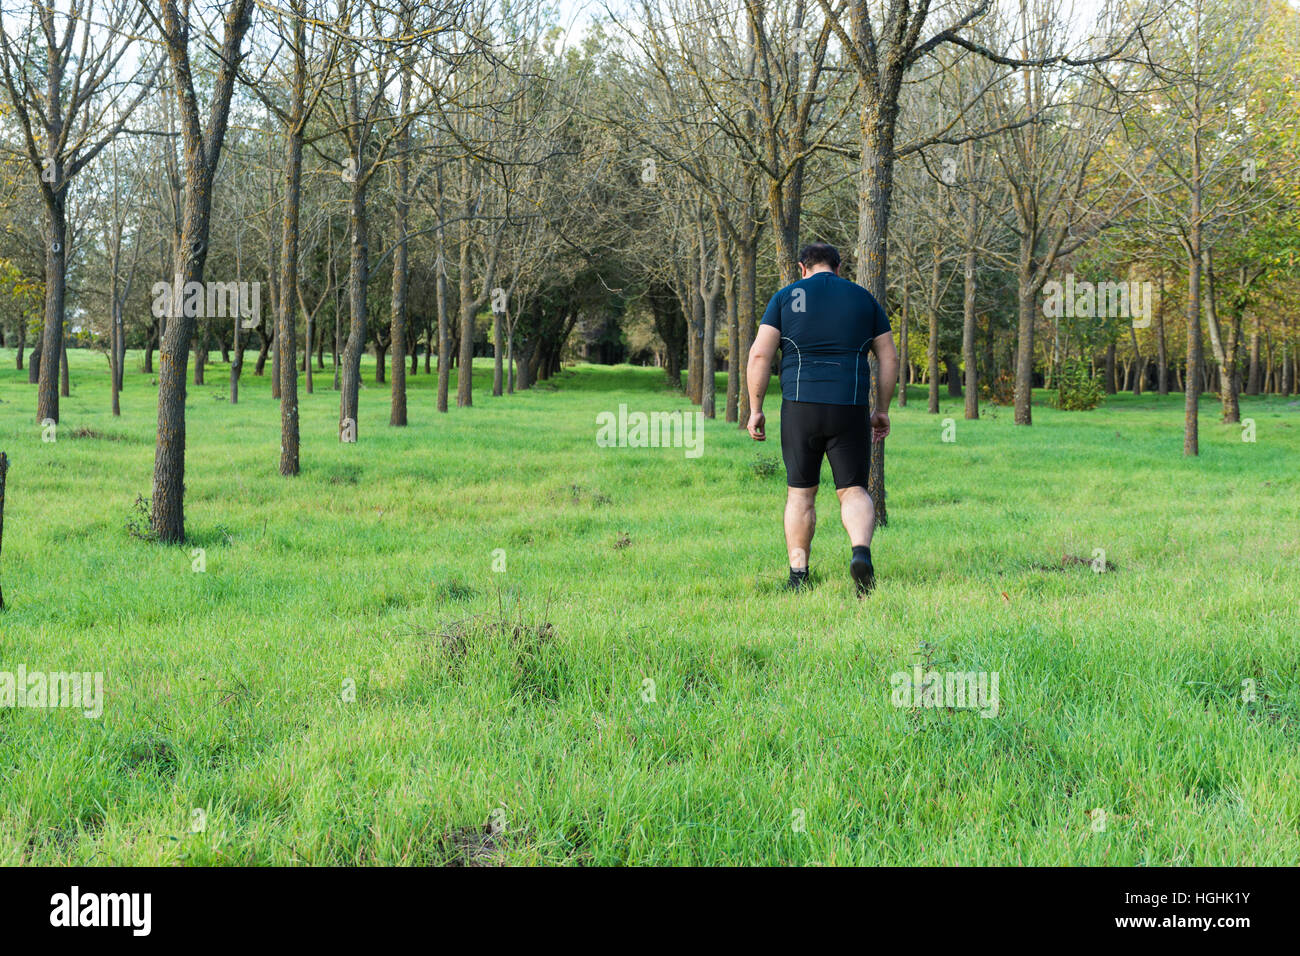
798 581
863 574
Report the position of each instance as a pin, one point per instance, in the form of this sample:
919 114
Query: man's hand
879 426
756 422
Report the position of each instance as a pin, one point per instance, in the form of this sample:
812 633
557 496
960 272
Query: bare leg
800 523
856 511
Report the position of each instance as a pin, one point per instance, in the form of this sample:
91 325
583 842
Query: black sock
861 551
798 576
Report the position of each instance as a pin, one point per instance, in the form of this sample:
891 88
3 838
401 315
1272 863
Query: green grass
522 697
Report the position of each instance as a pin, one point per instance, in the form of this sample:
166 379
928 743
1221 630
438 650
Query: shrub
1077 390
765 466
1001 391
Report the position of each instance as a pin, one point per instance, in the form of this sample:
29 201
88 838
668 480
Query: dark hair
822 253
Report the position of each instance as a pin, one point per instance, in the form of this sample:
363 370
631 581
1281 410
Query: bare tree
374 55
881 52
1191 123
71 97
202 149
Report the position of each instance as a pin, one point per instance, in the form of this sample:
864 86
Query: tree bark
465 370
56 237
968 332
734 359
286 331
401 271
498 355
202 150
1028 312
952 375
444 331
932 347
1252 380
746 306
878 116
358 280
1162 355
1139 364
904 366
1192 391
710 290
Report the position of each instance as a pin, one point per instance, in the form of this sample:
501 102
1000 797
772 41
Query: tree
70 100
202 144
1188 121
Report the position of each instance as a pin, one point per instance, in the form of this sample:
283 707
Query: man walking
824 326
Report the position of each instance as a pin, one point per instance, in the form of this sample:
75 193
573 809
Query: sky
576 14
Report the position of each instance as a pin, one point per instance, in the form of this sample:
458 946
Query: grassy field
635 687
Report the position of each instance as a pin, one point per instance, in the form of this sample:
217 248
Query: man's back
826 325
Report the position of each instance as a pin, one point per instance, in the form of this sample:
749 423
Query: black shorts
840 432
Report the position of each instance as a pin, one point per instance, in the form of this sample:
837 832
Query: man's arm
886 378
758 373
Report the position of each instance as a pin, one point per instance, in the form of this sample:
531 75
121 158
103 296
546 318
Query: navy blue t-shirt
826 325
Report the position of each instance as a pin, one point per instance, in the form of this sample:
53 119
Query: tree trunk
1162 355
286 330
694 344
747 280
1139 364
904 366
709 358
444 331
309 345
465 371
1224 346
932 347
1252 380
510 358
168 501
237 361
263 350
1192 392
877 117
952 374
56 236
200 350
358 280
401 272
498 355
734 359
1028 312
118 344
968 334
338 339
710 290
